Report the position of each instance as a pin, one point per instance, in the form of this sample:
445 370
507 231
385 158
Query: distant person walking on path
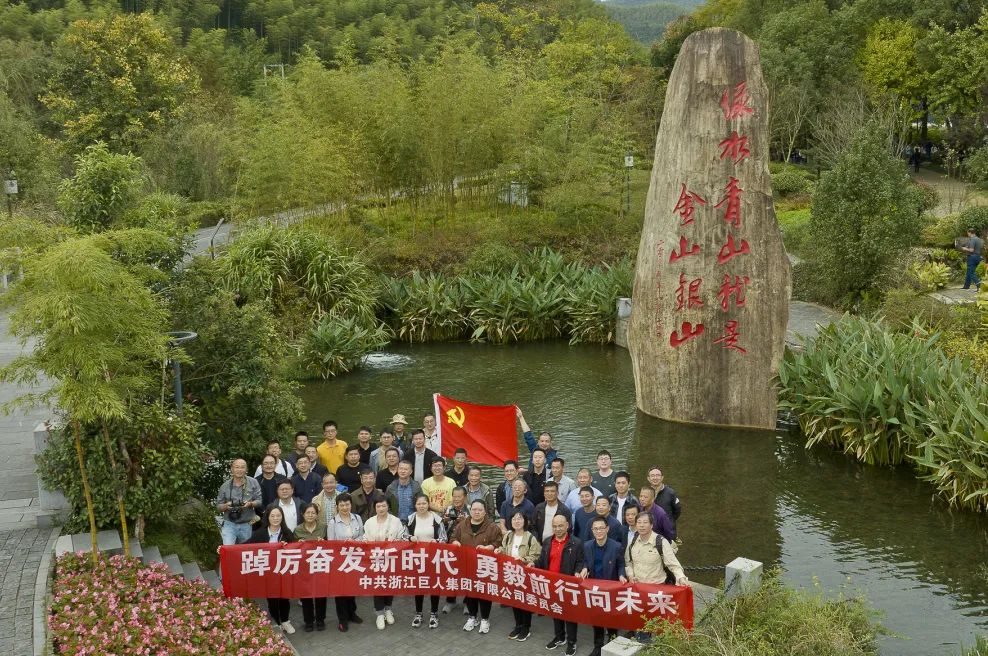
915 158
973 250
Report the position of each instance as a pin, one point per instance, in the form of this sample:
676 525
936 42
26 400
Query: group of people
401 489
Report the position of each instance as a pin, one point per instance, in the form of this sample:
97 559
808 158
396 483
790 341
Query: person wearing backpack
519 543
650 558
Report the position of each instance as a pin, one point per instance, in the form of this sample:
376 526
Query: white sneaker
389 617
287 628
380 622
417 620
485 626
446 609
471 622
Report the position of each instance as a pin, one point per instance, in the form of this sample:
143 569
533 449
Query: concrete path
955 296
18 481
805 319
955 195
450 638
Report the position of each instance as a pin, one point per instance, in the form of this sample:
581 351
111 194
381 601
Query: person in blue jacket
544 442
604 559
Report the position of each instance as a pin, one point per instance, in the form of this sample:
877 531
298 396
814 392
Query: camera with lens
236 510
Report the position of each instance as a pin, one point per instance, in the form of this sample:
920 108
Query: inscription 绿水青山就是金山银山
708 324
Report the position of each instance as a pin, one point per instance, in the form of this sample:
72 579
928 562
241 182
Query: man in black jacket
420 457
269 480
549 508
562 553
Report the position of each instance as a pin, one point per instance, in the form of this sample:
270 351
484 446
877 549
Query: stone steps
152 555
192 571
174 564
213 579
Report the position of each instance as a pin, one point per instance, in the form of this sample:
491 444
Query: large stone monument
712 282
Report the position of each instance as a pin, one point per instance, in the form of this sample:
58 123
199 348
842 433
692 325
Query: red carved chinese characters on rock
685 250
736 146
685 207
688 296
730 337
736 290
685 333
736 105
731 202
730 250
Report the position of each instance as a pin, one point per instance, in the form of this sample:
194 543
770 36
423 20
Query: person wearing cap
398 423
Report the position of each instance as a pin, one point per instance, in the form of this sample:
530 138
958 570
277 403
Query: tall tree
99 337
116 80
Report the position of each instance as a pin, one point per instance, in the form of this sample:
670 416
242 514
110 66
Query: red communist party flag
487 432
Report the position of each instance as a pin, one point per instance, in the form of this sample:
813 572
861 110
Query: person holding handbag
519 543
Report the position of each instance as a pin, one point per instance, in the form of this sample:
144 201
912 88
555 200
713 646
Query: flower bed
125 607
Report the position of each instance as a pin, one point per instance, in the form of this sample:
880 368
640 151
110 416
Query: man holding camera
238 497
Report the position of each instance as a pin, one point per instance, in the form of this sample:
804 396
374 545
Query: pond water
827 521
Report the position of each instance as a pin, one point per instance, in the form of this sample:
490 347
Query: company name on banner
333 569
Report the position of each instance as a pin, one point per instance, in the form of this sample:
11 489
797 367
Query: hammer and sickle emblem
456 416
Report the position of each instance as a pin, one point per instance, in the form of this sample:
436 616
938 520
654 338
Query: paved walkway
955 195
448 640
805 320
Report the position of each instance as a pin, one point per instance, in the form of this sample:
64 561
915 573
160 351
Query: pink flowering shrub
125 607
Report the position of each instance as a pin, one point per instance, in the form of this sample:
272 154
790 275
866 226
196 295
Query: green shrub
929 197
903 306
790 181
973 217
190 532
941 232
103 189
206 214
976 166
887 398
430 308
167 455
775 620
930 276
865 214
338 344
591 305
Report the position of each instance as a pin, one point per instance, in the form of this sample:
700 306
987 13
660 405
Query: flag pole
439 423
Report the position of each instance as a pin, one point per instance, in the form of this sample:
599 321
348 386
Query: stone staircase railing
109 542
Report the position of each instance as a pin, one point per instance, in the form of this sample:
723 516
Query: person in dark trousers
272 529
563 554
420 456
311 529
973 250
915 160
480 532
536 477
604 559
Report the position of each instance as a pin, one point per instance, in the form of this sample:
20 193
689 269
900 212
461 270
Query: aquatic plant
888 398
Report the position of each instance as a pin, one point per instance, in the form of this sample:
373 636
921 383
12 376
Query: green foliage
795 228
189 531
428 308
865 213
645 22
238 376
338 344
22 238
973 217
980 648
302 274
888 398
904 306
100 333
135 82
930 276
976 166
103 189
167 456
942 231
765 621
591 306
791 181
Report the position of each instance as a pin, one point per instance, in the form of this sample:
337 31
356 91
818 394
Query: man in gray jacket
237 499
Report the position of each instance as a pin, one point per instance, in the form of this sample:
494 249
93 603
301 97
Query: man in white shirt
564 483
282 467
431 433
291 506
583 478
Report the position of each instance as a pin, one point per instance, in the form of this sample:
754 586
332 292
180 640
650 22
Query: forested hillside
645 22
263 106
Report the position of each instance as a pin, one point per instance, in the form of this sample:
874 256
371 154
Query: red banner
487 432
333 568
